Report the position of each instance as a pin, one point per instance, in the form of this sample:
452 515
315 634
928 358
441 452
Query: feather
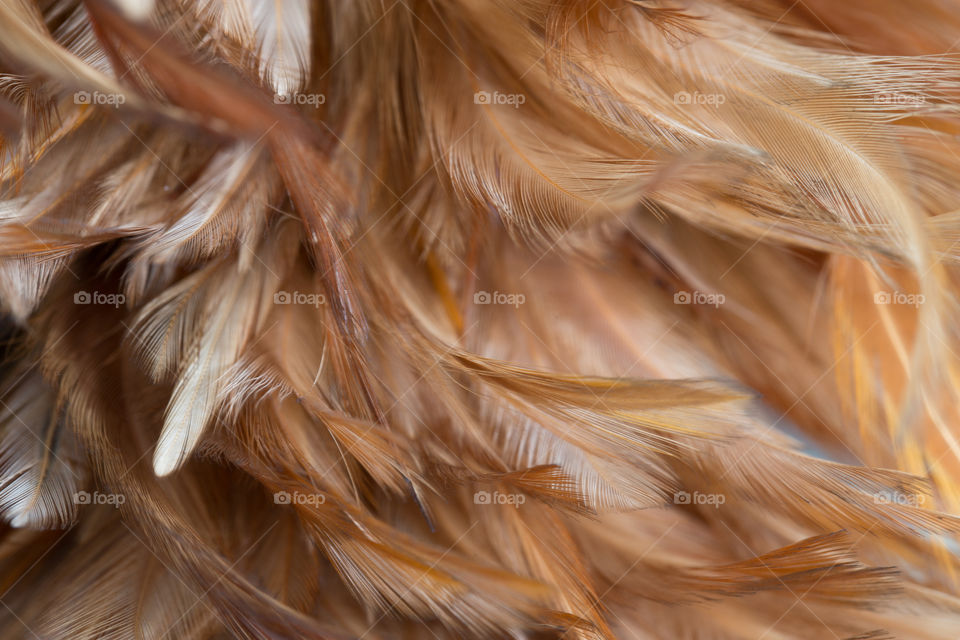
41 471
505 319
227 326
282 36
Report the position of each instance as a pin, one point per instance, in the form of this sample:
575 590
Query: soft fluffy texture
479 319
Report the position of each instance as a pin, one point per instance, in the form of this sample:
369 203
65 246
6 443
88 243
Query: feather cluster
479 319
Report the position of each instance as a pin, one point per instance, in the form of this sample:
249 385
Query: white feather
282 31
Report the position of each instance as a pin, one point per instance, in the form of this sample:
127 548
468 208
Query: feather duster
517 319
